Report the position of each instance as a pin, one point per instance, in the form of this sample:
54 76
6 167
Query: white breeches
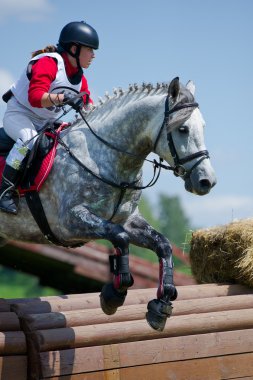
20 123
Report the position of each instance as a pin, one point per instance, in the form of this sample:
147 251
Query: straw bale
223 253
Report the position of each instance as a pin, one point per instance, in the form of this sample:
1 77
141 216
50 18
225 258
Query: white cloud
214 210
26 10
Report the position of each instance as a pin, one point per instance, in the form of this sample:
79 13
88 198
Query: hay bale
223 253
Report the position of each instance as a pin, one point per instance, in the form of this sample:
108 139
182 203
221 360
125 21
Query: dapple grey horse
95 184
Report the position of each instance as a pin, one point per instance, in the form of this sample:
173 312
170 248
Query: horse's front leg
89 226
143 235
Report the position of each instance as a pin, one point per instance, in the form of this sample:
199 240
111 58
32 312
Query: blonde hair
47 49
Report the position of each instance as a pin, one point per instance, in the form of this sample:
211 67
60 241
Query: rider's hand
73 101
89 107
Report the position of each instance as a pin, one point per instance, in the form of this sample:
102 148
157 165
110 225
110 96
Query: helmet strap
77 54
77 77
68 50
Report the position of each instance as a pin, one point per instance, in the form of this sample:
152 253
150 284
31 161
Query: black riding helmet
77 33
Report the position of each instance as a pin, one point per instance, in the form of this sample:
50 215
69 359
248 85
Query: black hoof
157 314
111 299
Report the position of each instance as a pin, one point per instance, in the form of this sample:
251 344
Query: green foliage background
14 284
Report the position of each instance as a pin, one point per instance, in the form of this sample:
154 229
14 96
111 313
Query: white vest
20 88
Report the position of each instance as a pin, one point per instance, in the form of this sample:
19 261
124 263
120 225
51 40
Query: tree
147 212
173 222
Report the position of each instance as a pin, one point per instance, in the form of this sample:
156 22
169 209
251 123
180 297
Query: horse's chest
119 204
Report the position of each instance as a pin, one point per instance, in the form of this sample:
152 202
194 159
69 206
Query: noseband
178 168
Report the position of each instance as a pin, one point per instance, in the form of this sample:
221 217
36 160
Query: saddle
38 164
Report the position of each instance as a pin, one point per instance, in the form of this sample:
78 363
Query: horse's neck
130 122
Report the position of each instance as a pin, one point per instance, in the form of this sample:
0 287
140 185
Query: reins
178 168
122 185
110 145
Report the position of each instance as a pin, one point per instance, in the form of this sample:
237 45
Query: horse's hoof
111 299
157 314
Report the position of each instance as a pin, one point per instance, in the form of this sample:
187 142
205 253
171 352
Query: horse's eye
183 129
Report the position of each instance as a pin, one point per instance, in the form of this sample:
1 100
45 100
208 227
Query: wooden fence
208 337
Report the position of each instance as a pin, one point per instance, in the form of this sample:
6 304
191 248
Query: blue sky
207 41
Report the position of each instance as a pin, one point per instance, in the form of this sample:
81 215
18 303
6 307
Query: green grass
14 284
17 291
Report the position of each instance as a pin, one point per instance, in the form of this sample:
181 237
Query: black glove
73 101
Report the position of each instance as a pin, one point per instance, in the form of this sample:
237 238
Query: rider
32 103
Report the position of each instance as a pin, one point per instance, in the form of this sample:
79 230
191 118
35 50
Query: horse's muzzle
200 187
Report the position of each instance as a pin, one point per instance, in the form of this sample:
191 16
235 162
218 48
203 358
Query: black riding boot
8 195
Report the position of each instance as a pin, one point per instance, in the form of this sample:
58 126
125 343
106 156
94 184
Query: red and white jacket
44 73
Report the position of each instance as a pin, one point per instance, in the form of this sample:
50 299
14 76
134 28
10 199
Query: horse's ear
191 87
174 88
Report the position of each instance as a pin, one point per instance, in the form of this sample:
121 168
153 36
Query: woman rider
31 102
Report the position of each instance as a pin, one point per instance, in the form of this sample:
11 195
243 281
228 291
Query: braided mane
123 97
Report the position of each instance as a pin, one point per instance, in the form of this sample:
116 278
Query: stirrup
9 209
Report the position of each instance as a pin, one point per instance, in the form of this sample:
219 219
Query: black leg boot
8 195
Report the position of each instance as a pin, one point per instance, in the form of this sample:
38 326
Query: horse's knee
164 250
121 240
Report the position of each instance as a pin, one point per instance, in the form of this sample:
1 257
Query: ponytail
47 49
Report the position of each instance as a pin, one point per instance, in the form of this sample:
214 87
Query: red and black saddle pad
41 164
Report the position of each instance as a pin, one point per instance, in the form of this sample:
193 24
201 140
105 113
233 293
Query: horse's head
181 139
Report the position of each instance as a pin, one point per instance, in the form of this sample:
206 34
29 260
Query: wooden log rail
208 337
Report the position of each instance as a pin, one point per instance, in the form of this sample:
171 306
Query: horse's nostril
205 183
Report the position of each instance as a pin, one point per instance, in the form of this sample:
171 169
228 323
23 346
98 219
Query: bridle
178 167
